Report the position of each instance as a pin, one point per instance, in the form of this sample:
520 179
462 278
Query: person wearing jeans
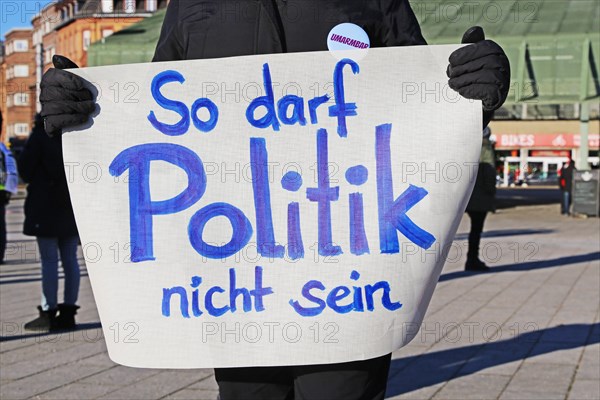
51 250
565 183
49 217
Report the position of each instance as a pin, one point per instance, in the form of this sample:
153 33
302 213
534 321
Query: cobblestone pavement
529 329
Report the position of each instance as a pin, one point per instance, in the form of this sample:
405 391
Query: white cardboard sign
270 210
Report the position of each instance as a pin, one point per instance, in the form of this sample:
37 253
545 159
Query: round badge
348 40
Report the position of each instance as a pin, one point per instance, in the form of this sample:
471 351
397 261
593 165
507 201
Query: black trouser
2 230
477 220
364 380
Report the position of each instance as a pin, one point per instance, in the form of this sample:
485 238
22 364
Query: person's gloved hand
480 71
65 100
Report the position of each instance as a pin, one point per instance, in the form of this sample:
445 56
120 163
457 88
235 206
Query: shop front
536 158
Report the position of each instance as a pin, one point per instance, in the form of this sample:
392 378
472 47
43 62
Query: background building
18 69
44 42
552 110
66 27
85 22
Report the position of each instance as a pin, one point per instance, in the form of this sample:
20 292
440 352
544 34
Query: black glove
480 71
65 100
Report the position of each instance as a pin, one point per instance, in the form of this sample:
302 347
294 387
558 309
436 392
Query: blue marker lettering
385 297
259 291
137 160
183 301
392 213
324 195
208 302
213 112
313 104
196 281
297 110
180 108
398 218
336 294
234 292
310 311
341 109
240 225
262 200
267 101
292 181
358 238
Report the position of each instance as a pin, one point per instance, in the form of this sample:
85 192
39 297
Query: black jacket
195 29
484 193
48 209
565 180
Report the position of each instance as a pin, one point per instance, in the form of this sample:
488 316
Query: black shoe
66 317
44 322
476 264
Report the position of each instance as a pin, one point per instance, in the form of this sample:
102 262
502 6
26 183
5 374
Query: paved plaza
529 329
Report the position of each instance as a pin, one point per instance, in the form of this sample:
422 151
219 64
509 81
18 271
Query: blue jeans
49 249
566 202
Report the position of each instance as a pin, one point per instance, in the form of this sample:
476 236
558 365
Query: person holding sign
200 30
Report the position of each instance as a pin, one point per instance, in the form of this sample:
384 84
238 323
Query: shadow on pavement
531 196
441 366
25 280
527 266
47 336
506 232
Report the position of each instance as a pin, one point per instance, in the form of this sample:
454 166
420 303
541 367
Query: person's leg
68 309
2 231
68 257
564 202
255 383
567 202
47 309
477 221
364 380
49 256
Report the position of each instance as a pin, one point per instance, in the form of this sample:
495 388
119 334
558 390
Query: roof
134 44
553 45
42 11
91 7
445 19
15 30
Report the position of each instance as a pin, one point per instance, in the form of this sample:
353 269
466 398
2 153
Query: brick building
18 70
66 27
44 41
85 22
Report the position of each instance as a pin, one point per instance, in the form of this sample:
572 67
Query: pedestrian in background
481 201
4 199
565 183
49 217
8 186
